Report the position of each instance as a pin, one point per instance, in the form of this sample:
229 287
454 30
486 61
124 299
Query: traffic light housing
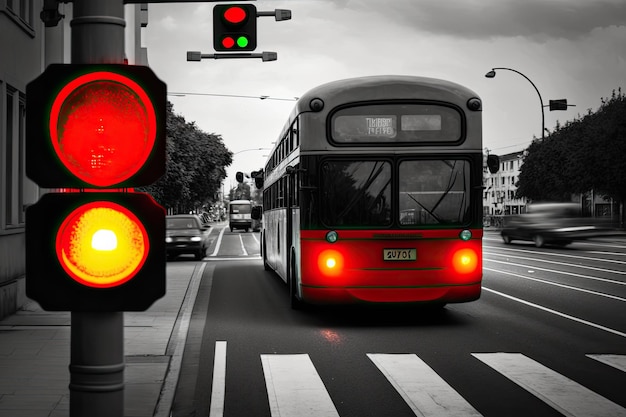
95 132
560 104
234 27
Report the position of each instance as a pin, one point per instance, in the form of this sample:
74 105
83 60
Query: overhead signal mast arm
279 14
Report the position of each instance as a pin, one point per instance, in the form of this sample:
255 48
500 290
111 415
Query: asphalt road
547 338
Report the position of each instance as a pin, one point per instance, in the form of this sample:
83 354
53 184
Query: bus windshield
431 192
356 193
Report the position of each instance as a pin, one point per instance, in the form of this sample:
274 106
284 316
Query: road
547 338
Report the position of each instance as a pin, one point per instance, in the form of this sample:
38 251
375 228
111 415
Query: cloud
538 20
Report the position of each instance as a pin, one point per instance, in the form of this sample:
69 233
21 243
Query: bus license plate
400 254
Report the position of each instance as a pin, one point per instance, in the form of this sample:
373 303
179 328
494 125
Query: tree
195 169
585 154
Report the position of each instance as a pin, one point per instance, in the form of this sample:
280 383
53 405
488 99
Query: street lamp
251 149
492 74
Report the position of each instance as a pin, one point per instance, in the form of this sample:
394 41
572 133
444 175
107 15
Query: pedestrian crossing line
566 396
616 361
421 387
294 388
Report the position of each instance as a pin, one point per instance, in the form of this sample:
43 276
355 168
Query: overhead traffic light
560 104
234 27
95 132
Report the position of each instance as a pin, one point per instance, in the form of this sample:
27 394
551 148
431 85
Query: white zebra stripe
566 396
423 389
294 388
616 361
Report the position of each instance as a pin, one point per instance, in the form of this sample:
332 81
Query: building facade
500 188
26 48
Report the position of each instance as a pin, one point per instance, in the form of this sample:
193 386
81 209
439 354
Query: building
499 193
27 47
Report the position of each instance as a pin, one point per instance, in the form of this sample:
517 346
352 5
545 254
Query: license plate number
400 254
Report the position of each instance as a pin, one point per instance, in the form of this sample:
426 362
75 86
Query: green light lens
242 41
465 235
332 236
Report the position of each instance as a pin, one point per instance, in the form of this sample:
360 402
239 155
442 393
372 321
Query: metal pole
543 120
97 339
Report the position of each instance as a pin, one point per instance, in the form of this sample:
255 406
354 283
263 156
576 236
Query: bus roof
388 87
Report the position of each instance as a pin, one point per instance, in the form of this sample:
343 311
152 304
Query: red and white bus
373 193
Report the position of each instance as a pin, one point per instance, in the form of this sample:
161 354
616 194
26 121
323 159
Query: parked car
549 223
185 234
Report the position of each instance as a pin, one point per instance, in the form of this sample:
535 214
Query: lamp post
492 74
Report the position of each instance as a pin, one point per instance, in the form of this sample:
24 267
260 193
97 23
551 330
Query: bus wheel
264 253
296 303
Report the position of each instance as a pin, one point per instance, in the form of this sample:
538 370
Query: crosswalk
295 389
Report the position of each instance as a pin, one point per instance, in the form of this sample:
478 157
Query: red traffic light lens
228 42
102 244
235 15
103 127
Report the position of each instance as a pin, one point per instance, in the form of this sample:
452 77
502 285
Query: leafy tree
585 154
195 169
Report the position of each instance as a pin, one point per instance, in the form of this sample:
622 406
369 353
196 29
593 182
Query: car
549 223
185 234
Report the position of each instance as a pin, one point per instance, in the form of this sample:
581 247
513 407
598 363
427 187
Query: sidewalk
35 353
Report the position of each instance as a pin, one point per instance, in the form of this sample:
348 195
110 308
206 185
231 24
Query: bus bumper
349 295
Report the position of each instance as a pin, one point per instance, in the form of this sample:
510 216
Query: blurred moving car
550 223
185 234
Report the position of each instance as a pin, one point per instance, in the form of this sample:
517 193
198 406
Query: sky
569 49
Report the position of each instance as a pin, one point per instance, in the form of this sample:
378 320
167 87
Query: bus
239 215
373 193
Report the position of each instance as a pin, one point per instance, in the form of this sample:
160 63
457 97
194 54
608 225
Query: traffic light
234 27
560 104
94 132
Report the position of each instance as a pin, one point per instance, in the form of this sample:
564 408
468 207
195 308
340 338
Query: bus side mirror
239 176
256 213
493 163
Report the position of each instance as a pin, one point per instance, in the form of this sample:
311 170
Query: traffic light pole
97 339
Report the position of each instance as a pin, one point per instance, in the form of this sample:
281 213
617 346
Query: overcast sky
572 49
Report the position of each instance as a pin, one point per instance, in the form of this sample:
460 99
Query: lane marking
294 388
564 255
593 268
558 313
422 388
573 274
219 242
616 361
218 388
570 287
243 248
235 258
561 393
